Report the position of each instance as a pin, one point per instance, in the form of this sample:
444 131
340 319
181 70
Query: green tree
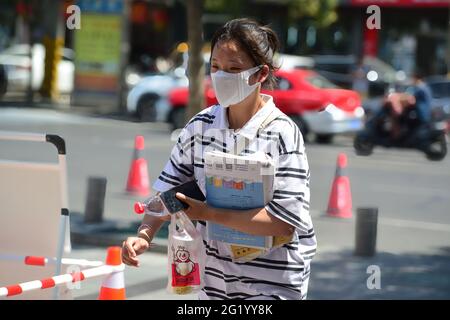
231 7
323 12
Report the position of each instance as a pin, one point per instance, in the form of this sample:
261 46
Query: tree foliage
323 12
232 7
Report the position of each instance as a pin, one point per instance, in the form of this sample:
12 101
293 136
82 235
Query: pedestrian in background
359 76
422 94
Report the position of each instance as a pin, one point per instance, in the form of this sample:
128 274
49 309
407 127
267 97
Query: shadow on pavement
135 289
341 275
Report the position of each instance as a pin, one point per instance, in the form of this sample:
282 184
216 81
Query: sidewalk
410 268
341 275
65 107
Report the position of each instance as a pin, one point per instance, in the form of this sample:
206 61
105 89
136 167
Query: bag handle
241 140
185 225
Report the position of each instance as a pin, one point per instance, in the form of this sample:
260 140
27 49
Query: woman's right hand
131 248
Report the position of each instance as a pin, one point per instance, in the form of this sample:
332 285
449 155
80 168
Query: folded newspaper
240 183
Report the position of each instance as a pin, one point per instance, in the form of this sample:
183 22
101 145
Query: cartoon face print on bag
183 263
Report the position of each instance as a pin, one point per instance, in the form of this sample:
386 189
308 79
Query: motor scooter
430 138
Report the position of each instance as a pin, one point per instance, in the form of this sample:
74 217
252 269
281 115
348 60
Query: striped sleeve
290 201
179 168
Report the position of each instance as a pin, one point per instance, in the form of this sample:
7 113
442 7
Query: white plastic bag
186 260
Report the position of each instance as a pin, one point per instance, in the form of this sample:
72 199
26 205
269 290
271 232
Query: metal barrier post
366 231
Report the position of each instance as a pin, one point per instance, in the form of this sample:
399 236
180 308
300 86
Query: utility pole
26 10
448 45
196 65
53 26
124 56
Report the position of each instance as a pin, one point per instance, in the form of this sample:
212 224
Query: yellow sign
97 44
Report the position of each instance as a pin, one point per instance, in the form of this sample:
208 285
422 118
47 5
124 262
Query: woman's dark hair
259 42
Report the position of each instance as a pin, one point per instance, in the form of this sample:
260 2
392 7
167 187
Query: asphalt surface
411 193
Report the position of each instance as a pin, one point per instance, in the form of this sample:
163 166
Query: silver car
17 63
148 98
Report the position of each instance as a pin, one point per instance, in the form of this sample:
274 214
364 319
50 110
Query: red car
315 104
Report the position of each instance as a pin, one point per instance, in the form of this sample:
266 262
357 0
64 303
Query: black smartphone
190 189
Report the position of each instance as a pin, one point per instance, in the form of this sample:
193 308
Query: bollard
95 200
366 231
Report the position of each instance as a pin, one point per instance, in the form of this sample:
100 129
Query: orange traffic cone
138 181
340 202
113 287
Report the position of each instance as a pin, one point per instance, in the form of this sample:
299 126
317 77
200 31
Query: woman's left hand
197 210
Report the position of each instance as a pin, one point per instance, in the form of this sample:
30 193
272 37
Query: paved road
412 194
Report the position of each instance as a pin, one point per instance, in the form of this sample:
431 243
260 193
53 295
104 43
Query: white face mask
232 88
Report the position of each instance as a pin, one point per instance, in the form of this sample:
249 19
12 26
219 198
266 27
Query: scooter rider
397 104
393 109
422 94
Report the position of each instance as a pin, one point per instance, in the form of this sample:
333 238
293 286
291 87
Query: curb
110 233
113 239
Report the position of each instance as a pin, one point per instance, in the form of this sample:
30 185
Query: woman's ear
259 76
263 73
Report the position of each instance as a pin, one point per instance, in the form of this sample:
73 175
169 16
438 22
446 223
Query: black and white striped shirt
283 272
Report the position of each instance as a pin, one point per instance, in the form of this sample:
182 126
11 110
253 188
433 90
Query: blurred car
440 90
338 69
3 80
314 103
17 63
289 62
148 98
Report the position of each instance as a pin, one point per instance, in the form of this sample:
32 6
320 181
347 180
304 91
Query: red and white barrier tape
20 288
43 261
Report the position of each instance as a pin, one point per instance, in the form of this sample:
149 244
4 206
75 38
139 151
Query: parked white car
148 99
17 62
